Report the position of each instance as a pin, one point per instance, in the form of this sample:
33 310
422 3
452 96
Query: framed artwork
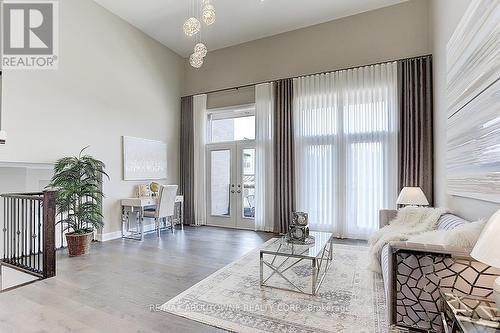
473 127
144 159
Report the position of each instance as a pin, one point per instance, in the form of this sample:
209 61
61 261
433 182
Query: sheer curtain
200 140
264 166
345 126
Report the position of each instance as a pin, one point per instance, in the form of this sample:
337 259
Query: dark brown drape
186 187
284 172
416 147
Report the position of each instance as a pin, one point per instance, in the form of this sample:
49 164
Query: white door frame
242 222
235 218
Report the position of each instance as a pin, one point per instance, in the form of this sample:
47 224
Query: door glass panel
233 129
220 182
248 183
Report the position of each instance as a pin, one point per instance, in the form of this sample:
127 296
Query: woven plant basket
78 244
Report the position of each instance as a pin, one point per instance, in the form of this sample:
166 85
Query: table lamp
487 250
412 196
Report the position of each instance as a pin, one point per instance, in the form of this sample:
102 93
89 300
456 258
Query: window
345 127
232 125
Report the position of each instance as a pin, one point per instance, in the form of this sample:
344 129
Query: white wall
445 16
112 81
384 34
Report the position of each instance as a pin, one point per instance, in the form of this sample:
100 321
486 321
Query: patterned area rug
351 298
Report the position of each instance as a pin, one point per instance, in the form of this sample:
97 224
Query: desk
137 206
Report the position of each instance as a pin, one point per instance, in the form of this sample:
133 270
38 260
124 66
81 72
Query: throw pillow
466 235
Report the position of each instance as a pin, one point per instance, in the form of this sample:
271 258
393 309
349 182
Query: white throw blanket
409 221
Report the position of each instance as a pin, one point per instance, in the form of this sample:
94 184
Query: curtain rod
318 73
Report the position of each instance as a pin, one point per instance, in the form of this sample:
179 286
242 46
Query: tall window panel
346 148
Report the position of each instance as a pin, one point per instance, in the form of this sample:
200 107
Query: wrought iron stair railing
28 232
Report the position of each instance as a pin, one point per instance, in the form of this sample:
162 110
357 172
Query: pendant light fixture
192 26
196 60
200 49
198 11
208 12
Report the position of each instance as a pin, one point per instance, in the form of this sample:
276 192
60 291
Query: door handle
232 191
238 191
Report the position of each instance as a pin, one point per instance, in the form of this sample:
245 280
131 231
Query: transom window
228 125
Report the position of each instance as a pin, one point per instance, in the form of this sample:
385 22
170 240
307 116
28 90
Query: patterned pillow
450 221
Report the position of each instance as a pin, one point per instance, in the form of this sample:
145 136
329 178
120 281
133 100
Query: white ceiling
238 21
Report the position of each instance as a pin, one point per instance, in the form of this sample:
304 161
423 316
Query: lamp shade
412 196
487 249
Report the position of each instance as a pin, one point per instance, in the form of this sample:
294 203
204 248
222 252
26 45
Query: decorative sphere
196 60
192 26
205 2
200 49
208 14
155 187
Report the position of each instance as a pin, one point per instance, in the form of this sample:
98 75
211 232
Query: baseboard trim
118 234
108 236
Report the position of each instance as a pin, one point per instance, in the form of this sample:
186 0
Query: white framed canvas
473 128
144 159
473 61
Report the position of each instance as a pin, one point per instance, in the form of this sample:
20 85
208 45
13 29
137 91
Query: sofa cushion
450 221
435 237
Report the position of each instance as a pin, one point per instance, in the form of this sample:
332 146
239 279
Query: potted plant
78 181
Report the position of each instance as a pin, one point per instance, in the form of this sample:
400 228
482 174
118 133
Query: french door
231 184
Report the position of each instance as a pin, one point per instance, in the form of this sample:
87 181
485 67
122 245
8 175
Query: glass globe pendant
200 49
192 26
196 60
208 14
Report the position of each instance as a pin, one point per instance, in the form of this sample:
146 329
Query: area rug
351 298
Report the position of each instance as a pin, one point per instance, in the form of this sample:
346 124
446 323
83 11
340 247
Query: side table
469 314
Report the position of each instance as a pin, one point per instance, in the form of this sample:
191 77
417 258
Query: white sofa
411 273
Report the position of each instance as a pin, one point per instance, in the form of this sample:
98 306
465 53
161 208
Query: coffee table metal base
319 266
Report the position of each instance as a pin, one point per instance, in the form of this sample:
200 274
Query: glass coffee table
469 314
296 267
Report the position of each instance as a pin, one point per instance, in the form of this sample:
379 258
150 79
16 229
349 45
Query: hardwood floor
116 288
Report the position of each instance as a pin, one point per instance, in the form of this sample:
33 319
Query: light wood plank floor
115 288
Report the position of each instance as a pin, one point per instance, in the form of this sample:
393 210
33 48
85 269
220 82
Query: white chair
165 207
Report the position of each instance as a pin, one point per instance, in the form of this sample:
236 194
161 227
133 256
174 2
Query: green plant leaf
78 181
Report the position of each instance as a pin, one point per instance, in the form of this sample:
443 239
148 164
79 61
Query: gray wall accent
231 97
384 34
